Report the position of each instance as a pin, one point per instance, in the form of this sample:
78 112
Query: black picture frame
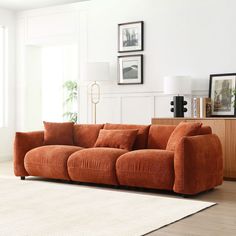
222 97
130 59
139 37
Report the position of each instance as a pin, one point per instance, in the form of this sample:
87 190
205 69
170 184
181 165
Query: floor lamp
96 72
178 86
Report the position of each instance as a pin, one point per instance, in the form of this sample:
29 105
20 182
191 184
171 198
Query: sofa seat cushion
49 161
150 168
95 165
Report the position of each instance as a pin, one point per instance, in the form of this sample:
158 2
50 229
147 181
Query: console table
225 128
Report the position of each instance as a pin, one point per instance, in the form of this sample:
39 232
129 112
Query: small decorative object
97 72
221 92
196 107
70 105
130 69
207 107
201 107
178 85
130 36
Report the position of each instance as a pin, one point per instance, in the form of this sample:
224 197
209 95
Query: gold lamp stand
95 98
96 71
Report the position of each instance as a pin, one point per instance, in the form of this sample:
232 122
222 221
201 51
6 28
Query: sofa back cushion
85 135
122 139
142 135
159 136
181 130
58 133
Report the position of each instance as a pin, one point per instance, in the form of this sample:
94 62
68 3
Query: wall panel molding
136 107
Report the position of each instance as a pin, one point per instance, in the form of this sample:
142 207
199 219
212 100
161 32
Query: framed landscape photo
130 69
130 37
222 94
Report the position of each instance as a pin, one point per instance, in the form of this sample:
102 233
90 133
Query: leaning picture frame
130 69
222 94
130 37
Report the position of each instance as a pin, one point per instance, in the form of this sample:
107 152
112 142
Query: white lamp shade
177 85
98 71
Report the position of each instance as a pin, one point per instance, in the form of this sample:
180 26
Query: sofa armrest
198 164
23 143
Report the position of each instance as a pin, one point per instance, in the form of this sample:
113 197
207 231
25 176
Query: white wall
182 37
33 75
7 18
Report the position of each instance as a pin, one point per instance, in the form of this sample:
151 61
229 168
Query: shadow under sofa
194 166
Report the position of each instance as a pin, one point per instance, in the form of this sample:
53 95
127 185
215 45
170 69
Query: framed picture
130 69
222 94
130 37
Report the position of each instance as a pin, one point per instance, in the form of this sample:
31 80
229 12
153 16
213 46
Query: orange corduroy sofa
193 165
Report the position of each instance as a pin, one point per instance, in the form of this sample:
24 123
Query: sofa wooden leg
22 177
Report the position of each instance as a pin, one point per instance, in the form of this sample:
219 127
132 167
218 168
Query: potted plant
70 105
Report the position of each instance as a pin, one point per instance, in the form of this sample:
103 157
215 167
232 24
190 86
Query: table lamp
96 72
178 86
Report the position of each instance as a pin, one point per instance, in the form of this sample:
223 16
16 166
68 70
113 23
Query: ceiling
20 5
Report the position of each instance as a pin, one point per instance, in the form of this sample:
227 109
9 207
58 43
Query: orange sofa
190 165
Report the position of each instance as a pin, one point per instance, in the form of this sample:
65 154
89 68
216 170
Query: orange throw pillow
123 139
181 130
58 133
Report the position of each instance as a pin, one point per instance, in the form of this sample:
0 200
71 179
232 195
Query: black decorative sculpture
178 104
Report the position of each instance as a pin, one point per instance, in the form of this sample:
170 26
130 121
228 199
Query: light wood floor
219 220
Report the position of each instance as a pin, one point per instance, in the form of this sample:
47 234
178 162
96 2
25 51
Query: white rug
39 208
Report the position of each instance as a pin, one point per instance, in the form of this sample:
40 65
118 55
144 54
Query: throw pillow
123 139
181 130
58 133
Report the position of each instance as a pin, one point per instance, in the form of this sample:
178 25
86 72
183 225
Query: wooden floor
219 220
